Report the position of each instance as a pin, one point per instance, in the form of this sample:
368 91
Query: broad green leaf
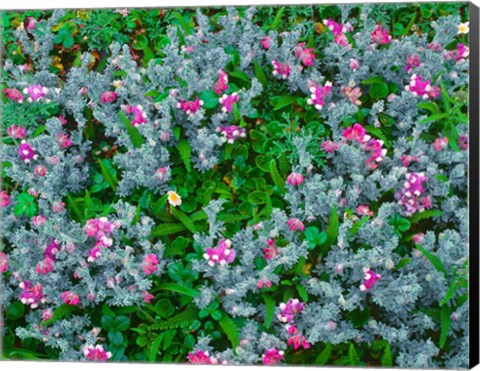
230 330
167 229
445 323
282 102
185 150
134 134
353 356
108 174
277 178
269 309
15 310
324 355
450 293
184 219
209 98
175 287
434 259
278 18
332 229
259 73
425 215
387 357
61 312
302 292
378 90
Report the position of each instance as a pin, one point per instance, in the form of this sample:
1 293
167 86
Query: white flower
174 199
463 28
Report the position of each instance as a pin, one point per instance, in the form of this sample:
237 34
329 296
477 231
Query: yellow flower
174 199
463 28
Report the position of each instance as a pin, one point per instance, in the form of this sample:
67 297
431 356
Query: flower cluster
223 254
412 194
231 133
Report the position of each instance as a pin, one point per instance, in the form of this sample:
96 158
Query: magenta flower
150 263
289 310
36 93
272 357
295 179
266 42
295 224
4 199
231 133
419 238
221 84
422 88
147 297
227 101
434 46
329 146
47 314
52 249
139 116
39 220
222 254
340 39
356 133
364 210
188 49
16 132
306 55
101 229
333 26
297 340
463 142
31 23
13 94
70 297
64 140
201 358
380 36
26 152
407 159
3 262
40 170
440 144
96 353
108 97
264 282
32 294
161 173
94 254
462 52
281 70
412 61
410 195
58 207
45 266
370 278
190 107
270 251
317 98
354 64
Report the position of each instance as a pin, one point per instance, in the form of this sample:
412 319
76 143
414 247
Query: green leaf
61 312
378 90
269 309
182 217
425 215
432 258
324 355
209 98
136 138
115 337
435 117
230 329
167 229
450 293
258 197
277 178
387 357
282 102
357 225
181 319
175 287
259 73
445 323
332 229
121 323
278 18
15 310
183 23
373 80
108 174
353 356
185 150
302 292
153 351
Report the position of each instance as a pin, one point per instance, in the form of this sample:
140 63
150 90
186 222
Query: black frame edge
474 103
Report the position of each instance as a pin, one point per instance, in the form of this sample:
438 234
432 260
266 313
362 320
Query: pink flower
4 199
13 94
70 297
47 314
419 238
380 36
409 196
188 49
306 55
31 295
52 249
272 357
139 116
40 170
407 159
201 358
190 107
94 254
352 94
337 29
422 88
298 341
161 173
150 263
266 42
3 262
295 179
31 23
222 254
58 207
370 278
270 251
16 132
64 140
108 97
96 353
355 133
434 46
289 310
83 91
227 101
36 93
329 146
412 61
101 229
26 152
147 297
281 70
340 39
364 210
264 282
221 84
462 52
440 144
463 142
45 266
317 98
231 133
295 224
354 64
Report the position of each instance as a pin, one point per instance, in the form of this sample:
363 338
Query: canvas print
269 185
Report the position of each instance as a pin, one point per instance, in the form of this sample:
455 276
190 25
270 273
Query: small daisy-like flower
174 198
463 28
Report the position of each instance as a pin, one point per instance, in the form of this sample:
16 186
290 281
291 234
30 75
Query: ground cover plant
271 185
